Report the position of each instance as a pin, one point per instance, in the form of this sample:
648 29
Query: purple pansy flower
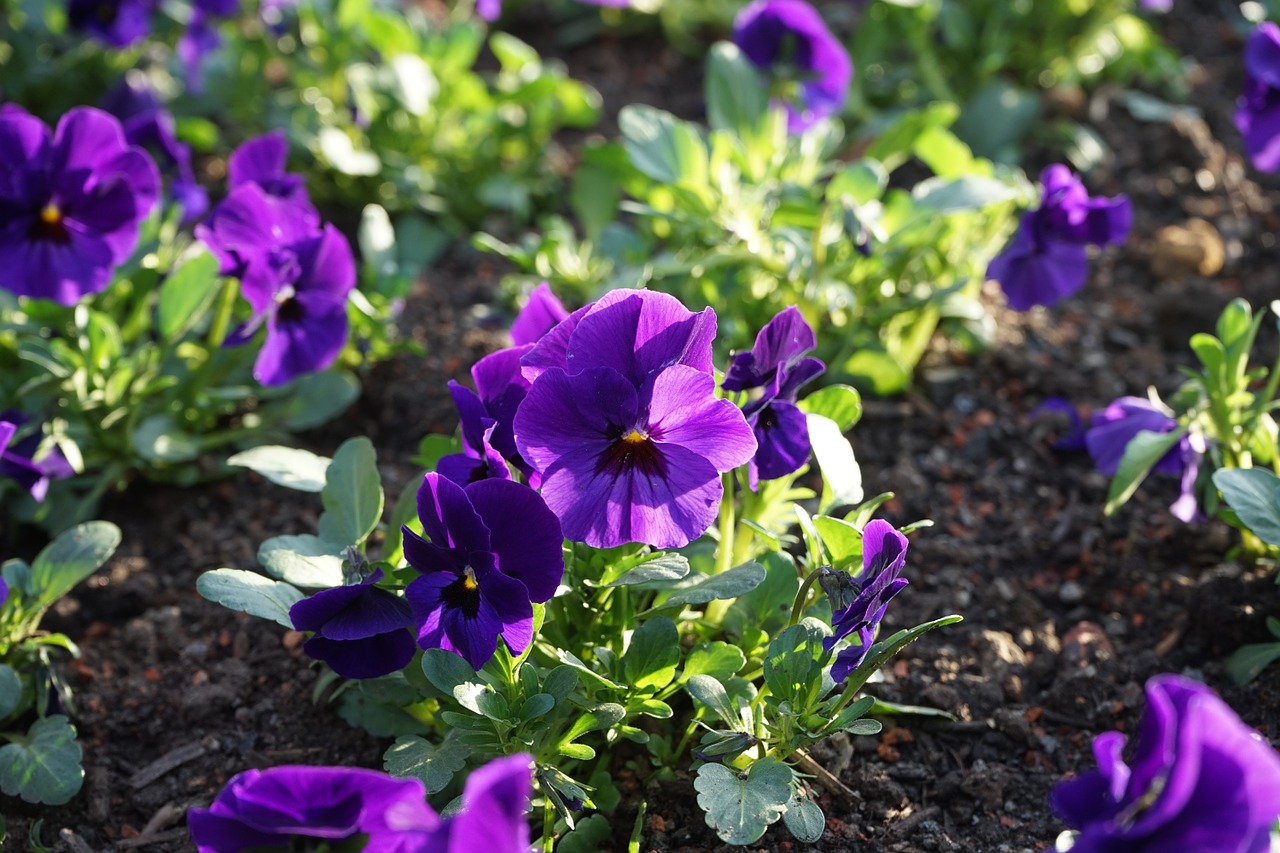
17 460
118 23
859 603
4 586
295 275
277 808
493 816
1199 781
1258 113
788 40
478 459
542 313
201 38
1156 5
71 202
488 420
1046 261
1116 426
1062 410
623 424
778 363
261 160
360 630
492 549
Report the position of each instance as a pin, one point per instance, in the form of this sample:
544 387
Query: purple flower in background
71 202
1156 5
360 629
296 806
492 549
809 68
1199 781
261 160
778 363
859 603
17 458
1120 422
119 23
149 125
493 817
1258 113
623 424
1046 261
1063 411
4 587
478 459
295 275
200 38
542 313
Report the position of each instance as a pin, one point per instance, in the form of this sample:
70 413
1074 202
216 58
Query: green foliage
44 766
740 806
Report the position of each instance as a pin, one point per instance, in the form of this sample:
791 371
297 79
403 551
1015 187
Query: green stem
222 320
797 609
717 609
548 823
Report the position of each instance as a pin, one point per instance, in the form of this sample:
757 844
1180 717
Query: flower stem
802 597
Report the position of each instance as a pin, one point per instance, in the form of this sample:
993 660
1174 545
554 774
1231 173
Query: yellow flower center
635 437
51 215
469 582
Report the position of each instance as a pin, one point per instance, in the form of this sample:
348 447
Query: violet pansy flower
4 586
478 459
808 66
491 549
296 277
1046 260
1258 113
71 202
118 23
1116 425
18 462
779 363
1198 781
298 807
493 819
858 603
360 630
488 420
542 313
261 160
623 424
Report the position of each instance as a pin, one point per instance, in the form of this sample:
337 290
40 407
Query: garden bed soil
1067 613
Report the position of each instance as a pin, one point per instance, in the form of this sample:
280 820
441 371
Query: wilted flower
1199 781
295 275
1258 114
778 363
359 629
1046 261
539 315
1116 426
808 67
119 23
494 548
858 604
623 424
71 202
297 807
17 460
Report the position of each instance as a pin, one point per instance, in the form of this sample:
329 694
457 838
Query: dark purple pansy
201 38
261 160
17 458
542 313
492 549
493 817
478 459
858 603
296 277
71 202
488 416
1046 261
779 364
1116 425
1258 113
297 807
360 630
4 586
1198 781
623 424
119 23
1070 437
808 68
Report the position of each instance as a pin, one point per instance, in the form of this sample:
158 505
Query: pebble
1070 592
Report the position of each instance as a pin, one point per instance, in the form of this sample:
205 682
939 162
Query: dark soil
1067 612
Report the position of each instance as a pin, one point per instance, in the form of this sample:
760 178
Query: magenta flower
1199 781
778 363
542 313
1116 426
492 548
297 807
71 202
1258 113
859 603
18 462
359 629
1046 261
809 68
623 424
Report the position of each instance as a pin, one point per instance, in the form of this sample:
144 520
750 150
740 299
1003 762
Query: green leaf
600 717
314 399
662 146
804 818
352 493
864 727
378 716
304 560
186 294
250 592
958 195
589 836
158 439
841 476
69 559
860 182
290 467
840 403
996 119
46 767
413 757
885 649
736 96
653 655
446 670
1254 493
944 153
10 690
737 581
663 567
718 660
740 806
560 682
842 540
536 706
793 663
710 692
1140 456
1249 661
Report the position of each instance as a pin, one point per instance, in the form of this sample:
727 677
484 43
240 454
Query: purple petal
683 410
552 349
637 332
495 801
525 534
565 414
782 436
367 657
542 313
782 341
448 518
299 345
1043 274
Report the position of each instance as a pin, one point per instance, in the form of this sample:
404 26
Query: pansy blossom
19 462
359 630
1258 113
858 603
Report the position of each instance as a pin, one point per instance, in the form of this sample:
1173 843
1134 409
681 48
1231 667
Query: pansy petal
683 411
526 537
